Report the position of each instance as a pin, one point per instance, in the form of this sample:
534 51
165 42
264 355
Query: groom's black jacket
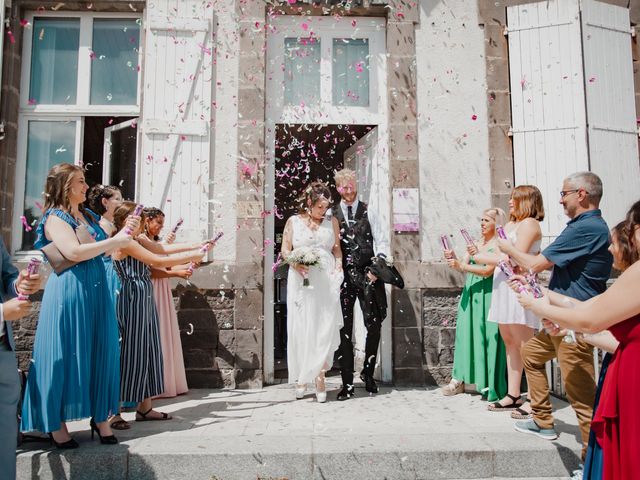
356 243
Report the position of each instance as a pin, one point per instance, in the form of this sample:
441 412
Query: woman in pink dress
175 380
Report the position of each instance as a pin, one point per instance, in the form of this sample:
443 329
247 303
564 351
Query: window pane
114 61
48 143
54 61
301 71
351 72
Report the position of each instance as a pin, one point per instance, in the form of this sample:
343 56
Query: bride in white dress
314 317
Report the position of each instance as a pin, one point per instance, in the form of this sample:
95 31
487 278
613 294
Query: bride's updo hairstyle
315 192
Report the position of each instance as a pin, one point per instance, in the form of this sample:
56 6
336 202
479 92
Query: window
80 78
302 71
320 72
54 61
350 72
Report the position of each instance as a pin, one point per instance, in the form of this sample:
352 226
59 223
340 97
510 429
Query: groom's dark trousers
348 295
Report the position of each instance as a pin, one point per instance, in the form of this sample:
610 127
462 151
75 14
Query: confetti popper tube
136 213
508 271
535 287
177 225
205 248
467 237
500 232
32 269
444 240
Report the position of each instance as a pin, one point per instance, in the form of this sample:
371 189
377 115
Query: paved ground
266 434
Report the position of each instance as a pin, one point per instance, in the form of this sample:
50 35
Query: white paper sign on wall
406 209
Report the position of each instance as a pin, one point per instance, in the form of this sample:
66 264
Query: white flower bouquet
306 256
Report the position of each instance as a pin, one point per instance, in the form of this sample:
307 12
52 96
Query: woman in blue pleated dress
74 372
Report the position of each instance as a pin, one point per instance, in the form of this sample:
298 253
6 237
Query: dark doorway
303 153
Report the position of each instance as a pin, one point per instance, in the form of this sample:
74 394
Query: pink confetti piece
353 23
32 101
12 39
474 117
359 67
26 226
24 23
291 2
305 26
592 79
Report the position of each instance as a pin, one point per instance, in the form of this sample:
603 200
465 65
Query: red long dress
617 419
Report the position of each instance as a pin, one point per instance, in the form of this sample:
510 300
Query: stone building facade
446 62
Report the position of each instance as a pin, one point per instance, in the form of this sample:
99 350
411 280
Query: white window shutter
610 101
547 100
176 141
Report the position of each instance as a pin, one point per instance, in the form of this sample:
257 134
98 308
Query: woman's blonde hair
498 215
527 203
58 185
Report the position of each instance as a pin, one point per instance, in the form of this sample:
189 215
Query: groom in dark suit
359 231
11 282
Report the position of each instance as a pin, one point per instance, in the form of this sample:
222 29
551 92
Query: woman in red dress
616 422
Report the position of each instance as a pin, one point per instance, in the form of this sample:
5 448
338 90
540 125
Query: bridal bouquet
304 256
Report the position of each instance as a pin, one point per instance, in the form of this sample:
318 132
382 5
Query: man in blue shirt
581 266
11 281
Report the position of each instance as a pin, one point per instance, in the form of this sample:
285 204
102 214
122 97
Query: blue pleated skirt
75 369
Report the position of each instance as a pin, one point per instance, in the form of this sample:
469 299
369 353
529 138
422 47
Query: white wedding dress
314 317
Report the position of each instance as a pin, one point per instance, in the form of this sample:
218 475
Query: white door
119 156
547 101
176 151
611 108
364 158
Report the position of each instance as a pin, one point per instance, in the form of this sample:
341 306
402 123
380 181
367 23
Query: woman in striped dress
141 370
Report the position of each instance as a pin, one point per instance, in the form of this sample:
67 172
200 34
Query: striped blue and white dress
141 369
75 369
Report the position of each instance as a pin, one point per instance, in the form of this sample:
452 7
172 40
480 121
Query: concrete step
398 434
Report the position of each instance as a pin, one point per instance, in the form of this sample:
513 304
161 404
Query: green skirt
480 356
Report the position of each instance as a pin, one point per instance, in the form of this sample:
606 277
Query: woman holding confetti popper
314 316
479 356
516 325
141 355
175 379
75 368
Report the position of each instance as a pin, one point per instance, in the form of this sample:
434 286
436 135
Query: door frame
276 113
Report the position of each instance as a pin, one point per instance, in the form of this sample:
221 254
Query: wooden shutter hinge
510 132
505 31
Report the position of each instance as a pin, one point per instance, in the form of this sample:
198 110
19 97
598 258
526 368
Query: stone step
399 434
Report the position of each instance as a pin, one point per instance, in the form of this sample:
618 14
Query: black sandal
165 416
498 407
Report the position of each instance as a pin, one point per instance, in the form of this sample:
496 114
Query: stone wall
439 308
221 339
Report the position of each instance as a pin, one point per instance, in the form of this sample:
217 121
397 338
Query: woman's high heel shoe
69 444
109 440
321 390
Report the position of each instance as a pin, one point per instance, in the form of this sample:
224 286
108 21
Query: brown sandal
165 416
498 407
521 414
121 424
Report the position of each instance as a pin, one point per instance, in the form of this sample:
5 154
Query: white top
380 242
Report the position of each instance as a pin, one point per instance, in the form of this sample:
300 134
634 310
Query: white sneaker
321 397
300 389
577 474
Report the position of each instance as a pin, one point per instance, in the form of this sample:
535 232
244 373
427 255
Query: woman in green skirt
479 356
